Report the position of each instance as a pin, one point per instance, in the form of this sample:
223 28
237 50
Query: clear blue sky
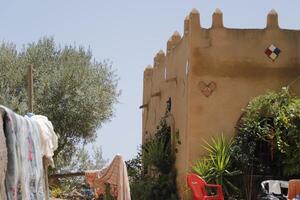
129 33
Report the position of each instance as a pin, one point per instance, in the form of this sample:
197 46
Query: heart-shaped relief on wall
207 88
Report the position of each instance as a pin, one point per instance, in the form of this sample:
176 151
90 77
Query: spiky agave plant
216 166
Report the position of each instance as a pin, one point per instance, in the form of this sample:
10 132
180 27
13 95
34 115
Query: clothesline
67 175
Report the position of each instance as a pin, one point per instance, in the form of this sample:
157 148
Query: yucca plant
216 166
203 168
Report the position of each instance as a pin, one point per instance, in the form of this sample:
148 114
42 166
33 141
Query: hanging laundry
115 175
3 158
24 176
49 140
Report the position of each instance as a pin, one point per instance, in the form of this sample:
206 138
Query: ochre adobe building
211 75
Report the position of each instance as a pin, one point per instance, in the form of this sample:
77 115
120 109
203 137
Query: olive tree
74 91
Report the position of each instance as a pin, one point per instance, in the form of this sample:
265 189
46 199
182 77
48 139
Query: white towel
49 139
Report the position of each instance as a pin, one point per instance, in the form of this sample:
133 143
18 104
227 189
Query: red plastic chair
198 186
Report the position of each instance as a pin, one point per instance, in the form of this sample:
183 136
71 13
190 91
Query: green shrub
152 174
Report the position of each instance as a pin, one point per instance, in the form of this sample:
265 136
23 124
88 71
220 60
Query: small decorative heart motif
207 89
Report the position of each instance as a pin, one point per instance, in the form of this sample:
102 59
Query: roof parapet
169 45
186 25
173 41
159 58
217 19
272 20
194 19
148 71
176 37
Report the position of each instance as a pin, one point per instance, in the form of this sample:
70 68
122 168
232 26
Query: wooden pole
30 108
30 88
45 166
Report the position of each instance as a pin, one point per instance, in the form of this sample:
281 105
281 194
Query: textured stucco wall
168 79
233 65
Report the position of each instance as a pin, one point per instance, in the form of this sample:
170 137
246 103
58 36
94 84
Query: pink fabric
115 175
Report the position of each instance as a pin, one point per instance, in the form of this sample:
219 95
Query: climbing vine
268 135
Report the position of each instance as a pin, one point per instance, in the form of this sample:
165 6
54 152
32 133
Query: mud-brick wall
210 76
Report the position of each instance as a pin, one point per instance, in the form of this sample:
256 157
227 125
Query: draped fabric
24 175
115 175
48 138
3 158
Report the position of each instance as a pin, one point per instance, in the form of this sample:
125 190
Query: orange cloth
294 188
115 175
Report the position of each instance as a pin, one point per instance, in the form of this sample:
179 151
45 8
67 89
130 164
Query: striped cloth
24 176
115 175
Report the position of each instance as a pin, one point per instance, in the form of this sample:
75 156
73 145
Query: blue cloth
29 114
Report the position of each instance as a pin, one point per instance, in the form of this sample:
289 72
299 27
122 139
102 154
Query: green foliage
216 166
83 160
55 191
74 91
203 167
134 168
107 195
270 125
152 173
156 152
